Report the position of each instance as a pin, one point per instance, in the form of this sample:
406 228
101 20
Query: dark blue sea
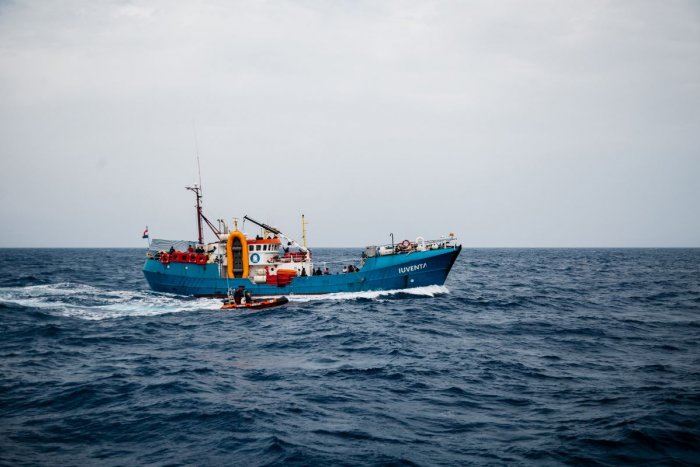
525 356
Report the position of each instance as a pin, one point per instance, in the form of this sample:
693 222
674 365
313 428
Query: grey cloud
510 123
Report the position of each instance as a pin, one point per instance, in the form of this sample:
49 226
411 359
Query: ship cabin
268 256
263 250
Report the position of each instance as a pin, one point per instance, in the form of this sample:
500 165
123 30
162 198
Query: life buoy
406 243
192 258
255 258
201 259
176 257
164 258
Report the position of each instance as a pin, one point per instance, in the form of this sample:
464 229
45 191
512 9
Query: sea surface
524 356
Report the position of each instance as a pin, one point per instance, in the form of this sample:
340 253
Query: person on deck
327 272
248 297
303 272
172 250
190 249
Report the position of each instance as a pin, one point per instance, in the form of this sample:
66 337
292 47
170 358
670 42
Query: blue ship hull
391 272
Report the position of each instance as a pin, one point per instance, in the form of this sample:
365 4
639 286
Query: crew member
238 295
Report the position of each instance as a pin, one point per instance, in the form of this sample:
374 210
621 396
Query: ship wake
82 301
427 291
91 303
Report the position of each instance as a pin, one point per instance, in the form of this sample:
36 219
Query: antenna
197 189
196 152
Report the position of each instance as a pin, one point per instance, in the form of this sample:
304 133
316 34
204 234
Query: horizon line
362 247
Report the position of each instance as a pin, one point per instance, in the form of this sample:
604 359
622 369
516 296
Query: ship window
250 247
264 247
257 247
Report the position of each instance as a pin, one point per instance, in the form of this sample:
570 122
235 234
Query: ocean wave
529 357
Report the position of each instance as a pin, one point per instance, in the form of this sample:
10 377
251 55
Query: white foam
427 291
65 300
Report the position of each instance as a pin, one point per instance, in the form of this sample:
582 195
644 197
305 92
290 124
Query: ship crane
277 232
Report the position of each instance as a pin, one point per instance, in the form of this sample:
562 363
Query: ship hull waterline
392 272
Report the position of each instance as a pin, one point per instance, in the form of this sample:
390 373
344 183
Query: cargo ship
270 263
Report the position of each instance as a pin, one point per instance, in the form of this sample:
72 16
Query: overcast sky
510 123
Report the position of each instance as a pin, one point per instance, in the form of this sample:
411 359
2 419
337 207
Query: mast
303 231
198 193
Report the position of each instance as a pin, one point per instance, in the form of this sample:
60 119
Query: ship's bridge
264 245
262 250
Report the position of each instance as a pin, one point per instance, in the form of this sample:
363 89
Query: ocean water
525 356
